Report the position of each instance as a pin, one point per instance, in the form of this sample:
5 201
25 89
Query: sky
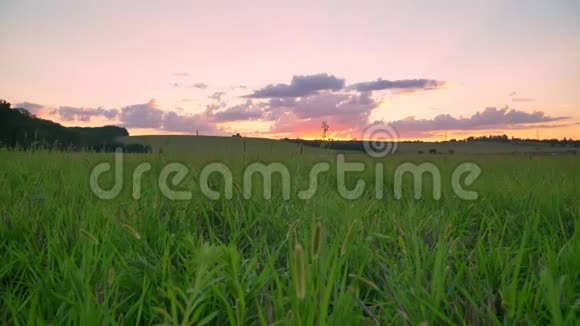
430 69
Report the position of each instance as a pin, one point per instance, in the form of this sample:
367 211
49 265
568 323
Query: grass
212 145
510 257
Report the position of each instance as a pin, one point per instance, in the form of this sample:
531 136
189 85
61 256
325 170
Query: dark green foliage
358 145
20 128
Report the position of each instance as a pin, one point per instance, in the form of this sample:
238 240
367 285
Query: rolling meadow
512 256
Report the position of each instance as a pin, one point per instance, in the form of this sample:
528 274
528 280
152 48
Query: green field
208 145
68 257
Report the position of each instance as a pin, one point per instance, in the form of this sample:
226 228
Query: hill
253 147
21 129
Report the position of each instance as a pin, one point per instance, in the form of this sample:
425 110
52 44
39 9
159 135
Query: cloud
298 109
148 115
217 96
30 107
522 99
300 86
282 102
345 113
275 107
173 121
333 104
303 86
68 113
145 115
302 116
245 111
490 118
400 85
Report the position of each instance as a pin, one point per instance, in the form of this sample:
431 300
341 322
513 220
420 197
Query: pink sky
181 66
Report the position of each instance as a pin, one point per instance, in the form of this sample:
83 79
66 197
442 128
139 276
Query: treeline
357 145
505 139
21 129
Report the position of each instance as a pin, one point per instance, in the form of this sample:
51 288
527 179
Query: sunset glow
271 70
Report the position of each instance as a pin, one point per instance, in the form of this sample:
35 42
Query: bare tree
325 128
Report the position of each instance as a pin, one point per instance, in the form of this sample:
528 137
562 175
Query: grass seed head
111 276
88 235
317 238
299 269
363 280
131 231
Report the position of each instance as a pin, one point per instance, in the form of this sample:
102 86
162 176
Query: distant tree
325 128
